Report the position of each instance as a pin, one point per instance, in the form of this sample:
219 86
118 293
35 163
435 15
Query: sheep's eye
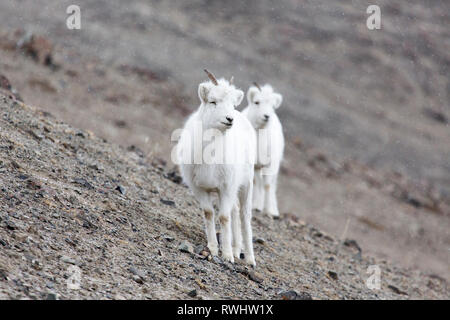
256 102
213 102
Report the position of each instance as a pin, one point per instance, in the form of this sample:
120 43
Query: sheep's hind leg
245 199
210 226
258 191
270 201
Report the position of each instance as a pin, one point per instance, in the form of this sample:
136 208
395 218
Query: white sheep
224 167
262 103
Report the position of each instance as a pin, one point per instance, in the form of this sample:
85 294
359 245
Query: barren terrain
365 115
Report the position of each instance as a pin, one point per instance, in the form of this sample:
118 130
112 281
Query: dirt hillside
71 199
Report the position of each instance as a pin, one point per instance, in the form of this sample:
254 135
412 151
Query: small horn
257 85
231 80
211 77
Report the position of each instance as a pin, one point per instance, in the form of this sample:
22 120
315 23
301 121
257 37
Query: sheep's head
218 100
263 102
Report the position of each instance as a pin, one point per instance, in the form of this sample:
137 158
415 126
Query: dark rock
84 183
37 47
71 242
352 244
121 190
88 224
199 249
333 275
186 246
436 115
294 295
167 202
34 135
168 238
192 293
15 165
138 275
250 274
36 264
120 123
33 185
6 88
413 201
136 150
174 177
397 290
52 296
4 83
138 279
255 277
3 275
10 225
259 240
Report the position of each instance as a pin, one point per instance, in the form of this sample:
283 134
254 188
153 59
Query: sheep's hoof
257 206
228 257
272 213
251 261
237 253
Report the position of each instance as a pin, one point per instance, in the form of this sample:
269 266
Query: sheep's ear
239 97
278 100
251 94
203 91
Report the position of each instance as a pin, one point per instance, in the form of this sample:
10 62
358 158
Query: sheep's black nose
266 117
230 119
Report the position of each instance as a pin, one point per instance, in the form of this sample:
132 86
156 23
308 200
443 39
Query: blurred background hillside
366 113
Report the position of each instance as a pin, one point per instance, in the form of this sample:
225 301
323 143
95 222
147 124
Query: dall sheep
227 172
262 103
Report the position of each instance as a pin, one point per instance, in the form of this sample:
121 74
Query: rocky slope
390 215
71 199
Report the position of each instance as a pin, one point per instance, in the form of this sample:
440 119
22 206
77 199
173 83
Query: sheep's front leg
210 225
226 203
270 199
258 191
245 199
237 233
